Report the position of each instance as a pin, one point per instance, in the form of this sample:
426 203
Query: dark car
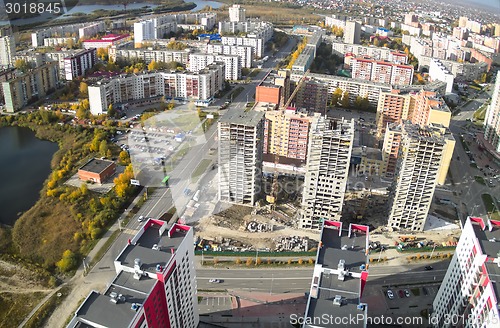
428 268
425 291
401 294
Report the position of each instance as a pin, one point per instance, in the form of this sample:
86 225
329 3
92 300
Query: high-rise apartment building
287 134
7 50
390 147
328 160
240 156
392 107
237 13
339 277
155 283
5 75
352 32
420 155
428 108
468 296
245 53
313 96
29 87
492 118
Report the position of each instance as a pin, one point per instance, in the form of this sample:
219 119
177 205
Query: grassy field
15 307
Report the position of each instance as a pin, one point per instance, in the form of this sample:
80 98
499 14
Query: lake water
87 9
24 166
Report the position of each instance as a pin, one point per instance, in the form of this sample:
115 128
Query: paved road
463 174
299 279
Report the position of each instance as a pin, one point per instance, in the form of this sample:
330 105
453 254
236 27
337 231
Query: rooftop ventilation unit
116 298
337 300
344 248
135 307
493 239
341 265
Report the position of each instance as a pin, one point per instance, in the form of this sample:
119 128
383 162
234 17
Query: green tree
337 94
153 66
103 148
22 65
84 89
68 261
344 102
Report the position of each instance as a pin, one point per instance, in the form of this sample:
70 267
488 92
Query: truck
196 196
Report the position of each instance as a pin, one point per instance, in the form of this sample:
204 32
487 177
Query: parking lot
219 305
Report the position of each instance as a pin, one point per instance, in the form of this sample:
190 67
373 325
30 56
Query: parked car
428 268
401 294
390 294
424 290
407 293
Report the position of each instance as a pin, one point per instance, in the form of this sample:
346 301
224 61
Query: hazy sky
489 3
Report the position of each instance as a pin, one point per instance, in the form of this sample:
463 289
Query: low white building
438 72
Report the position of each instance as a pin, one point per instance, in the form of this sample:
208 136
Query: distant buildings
469 289
420 156
97 170
152 86
80 30
5 75
492 119
381 71
149 55
256 43
352 32
106 41
339 277
255 28
237 13
245 53
30 86
154 286
240 156
7 50
232 66
328 160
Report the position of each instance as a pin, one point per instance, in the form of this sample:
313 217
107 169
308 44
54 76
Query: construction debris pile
295 244
254 226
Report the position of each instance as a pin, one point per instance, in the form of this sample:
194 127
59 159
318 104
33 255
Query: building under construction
328 159
420 157
240 156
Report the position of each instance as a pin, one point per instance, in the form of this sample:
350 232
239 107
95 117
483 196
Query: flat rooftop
242 117
143 249
335 248
96 165
98 310
489 240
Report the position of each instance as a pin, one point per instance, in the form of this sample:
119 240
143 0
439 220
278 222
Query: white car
214 281
141 218
390 294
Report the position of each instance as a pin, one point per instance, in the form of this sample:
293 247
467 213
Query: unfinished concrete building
240 156
417 172
328 159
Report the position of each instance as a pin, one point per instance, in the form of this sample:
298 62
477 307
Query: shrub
311 261
290 261
300 261
249 261
269 261
238 261
259 261
68 261
216 260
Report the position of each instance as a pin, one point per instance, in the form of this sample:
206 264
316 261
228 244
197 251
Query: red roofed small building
106 41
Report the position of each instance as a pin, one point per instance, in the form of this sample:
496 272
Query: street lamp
432 253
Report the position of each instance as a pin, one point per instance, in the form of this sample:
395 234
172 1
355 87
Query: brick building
97 170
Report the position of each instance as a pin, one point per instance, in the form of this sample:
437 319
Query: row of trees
296 53
341 98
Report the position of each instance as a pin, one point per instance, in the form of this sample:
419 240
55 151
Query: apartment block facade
81 30
154 286
468 296
382 72
417 172
245 53
377 53
149 55
492 119
79 64
287 135
328 160
7 50
29 87
313 96
237 13
257 28
352 32
151 86
256 43
232 68
393 107
240 143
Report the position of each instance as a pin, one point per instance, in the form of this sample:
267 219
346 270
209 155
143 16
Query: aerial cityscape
298 163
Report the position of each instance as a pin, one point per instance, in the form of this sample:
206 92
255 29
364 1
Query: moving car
214 281
141 218
428 268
